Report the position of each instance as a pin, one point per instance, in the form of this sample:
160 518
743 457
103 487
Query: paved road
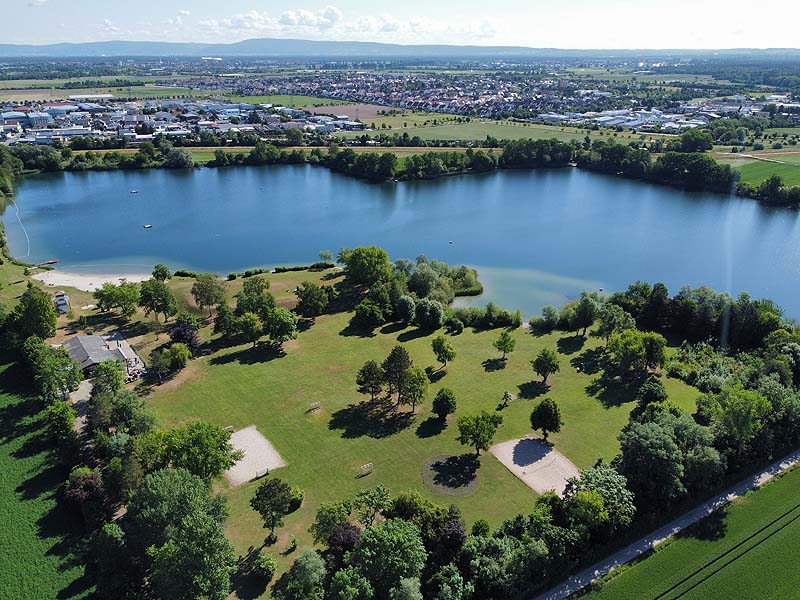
602 568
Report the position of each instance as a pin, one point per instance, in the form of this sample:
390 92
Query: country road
627 554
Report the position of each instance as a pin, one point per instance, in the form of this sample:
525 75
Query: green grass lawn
240 386
37 559
748 551
756 172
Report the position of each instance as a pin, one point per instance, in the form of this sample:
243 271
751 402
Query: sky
535 23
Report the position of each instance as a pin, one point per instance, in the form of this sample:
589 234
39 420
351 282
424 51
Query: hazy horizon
572 24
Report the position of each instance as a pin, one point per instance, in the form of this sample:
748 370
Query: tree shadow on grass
570 344
244 582
714 527
391 328
531 390
249 355
456 471
435 375
494 364
430 427
413 334
353 331
590 362
373 418
613 391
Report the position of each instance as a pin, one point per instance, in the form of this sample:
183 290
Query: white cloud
331 23
184 13
109 27
36 2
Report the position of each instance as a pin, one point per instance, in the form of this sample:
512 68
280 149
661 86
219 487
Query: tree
155 296
414 389
370 502
505 343
612 488
395 368
613 318
737 414
305 578
478 430
226 322
325 255
370 379
632 350
312 299
349 584
179 355
251 327
585 312
652 462
272 501
161 272
429 314
160 364
367 265
443 350
281 326
406 309
34 315
389 552
208 290
407 589
59 420
368 315
444 403
545 363
330 515
547 417
176 535
203 449
254 297
652 390
197 561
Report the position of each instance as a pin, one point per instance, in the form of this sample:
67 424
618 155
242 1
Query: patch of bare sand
259 456
536 463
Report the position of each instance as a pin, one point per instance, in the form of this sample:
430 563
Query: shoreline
84 282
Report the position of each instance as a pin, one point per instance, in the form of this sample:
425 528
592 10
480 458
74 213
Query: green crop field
748 551
37 547
240 386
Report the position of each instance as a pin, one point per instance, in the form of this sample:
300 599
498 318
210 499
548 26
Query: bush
297 499
481 528
253 272
368 315
321 266
232 276
185 273
264 566
285 269
454 325
429 314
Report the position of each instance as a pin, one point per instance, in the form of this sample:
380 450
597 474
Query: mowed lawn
240 386
748 551
37 560
788 170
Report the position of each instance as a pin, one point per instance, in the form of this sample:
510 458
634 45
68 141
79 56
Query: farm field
144 92
38 558
240 386
480 129
749 550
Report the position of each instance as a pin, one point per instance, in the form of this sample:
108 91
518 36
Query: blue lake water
536 237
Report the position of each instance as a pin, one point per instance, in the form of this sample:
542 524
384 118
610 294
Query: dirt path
604 567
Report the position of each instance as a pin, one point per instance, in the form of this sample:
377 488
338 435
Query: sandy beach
87 283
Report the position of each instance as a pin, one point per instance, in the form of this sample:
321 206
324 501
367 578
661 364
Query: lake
536 237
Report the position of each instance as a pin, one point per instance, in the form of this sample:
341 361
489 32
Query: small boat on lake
134 191
52 261
148 226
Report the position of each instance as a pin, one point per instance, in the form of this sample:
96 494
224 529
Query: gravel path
604 567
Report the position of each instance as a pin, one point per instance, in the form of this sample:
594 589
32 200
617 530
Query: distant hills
273 47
